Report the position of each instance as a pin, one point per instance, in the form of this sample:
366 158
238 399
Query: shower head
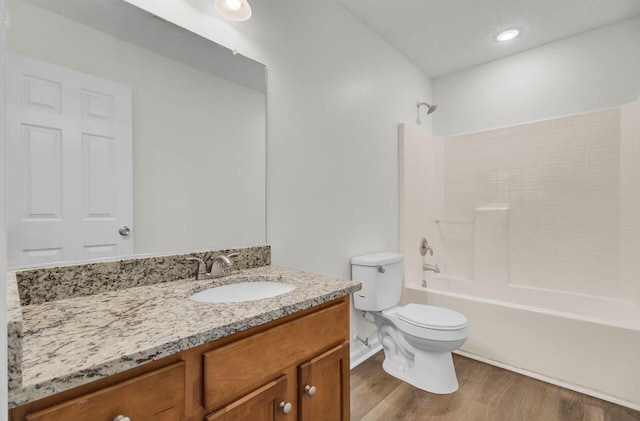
430 109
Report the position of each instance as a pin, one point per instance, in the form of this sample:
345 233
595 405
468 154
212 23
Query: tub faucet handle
425 247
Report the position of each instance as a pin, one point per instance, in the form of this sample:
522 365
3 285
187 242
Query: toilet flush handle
381 269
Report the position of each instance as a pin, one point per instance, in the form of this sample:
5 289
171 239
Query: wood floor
486 393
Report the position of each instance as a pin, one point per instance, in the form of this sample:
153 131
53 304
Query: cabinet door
260 405
227 376
158 396
324 386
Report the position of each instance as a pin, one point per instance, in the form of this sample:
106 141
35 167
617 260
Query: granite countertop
72 341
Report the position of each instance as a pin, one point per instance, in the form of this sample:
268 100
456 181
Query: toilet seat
450 333
431 317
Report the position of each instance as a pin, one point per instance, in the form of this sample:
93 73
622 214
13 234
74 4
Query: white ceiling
444 36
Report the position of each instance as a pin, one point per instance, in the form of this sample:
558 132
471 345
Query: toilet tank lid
377 259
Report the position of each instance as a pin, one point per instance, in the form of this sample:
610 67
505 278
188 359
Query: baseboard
363 354
557 382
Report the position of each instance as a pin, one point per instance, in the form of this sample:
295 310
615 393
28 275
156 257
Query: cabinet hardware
285 407
310 390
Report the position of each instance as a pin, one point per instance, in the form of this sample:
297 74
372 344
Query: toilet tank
381 277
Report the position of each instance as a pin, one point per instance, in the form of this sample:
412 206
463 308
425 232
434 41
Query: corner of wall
3 257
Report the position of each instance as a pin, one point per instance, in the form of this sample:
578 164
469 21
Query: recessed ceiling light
508 35
234 4
238 10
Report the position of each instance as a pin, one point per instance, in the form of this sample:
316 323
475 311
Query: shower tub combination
581 342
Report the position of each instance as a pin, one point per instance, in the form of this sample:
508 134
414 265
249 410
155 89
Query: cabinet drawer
158 395
235 369
262 404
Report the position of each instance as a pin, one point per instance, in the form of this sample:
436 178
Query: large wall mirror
127 135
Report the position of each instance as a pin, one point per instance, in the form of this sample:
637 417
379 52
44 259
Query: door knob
124 230
121 418
310 390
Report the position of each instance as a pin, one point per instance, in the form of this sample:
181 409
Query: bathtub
581 342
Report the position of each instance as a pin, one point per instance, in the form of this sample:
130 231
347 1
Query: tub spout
432 268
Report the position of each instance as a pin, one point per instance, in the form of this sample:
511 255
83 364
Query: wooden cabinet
239 367
158 395
245 376
323 391
262 405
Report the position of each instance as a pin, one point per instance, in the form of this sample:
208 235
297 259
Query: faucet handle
231 255
425 247
202 267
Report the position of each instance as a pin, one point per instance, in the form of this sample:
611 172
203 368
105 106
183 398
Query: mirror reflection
127 134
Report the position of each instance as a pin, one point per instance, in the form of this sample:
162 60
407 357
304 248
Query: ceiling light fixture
508 35
237 10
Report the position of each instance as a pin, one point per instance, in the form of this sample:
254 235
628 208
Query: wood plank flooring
486 393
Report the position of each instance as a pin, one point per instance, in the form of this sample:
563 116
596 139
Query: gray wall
3 234
335 95
590 71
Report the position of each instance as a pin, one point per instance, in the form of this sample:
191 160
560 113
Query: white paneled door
69 165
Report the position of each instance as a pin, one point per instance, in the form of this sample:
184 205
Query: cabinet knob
310 390
121 418
285 407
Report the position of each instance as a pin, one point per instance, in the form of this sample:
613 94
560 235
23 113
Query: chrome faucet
432 268
217 270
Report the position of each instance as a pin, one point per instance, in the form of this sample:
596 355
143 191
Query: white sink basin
242 291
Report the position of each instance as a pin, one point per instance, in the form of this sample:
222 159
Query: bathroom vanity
151 353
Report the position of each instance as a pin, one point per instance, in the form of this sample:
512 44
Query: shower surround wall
561 179
630 199
420 188
558 203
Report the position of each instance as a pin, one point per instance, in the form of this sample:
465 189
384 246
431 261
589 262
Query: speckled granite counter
72 341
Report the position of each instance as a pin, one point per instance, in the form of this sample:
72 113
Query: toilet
417 339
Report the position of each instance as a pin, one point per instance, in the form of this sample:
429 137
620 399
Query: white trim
363 354
557 382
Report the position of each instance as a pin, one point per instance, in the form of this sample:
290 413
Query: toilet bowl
417 339
419 352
